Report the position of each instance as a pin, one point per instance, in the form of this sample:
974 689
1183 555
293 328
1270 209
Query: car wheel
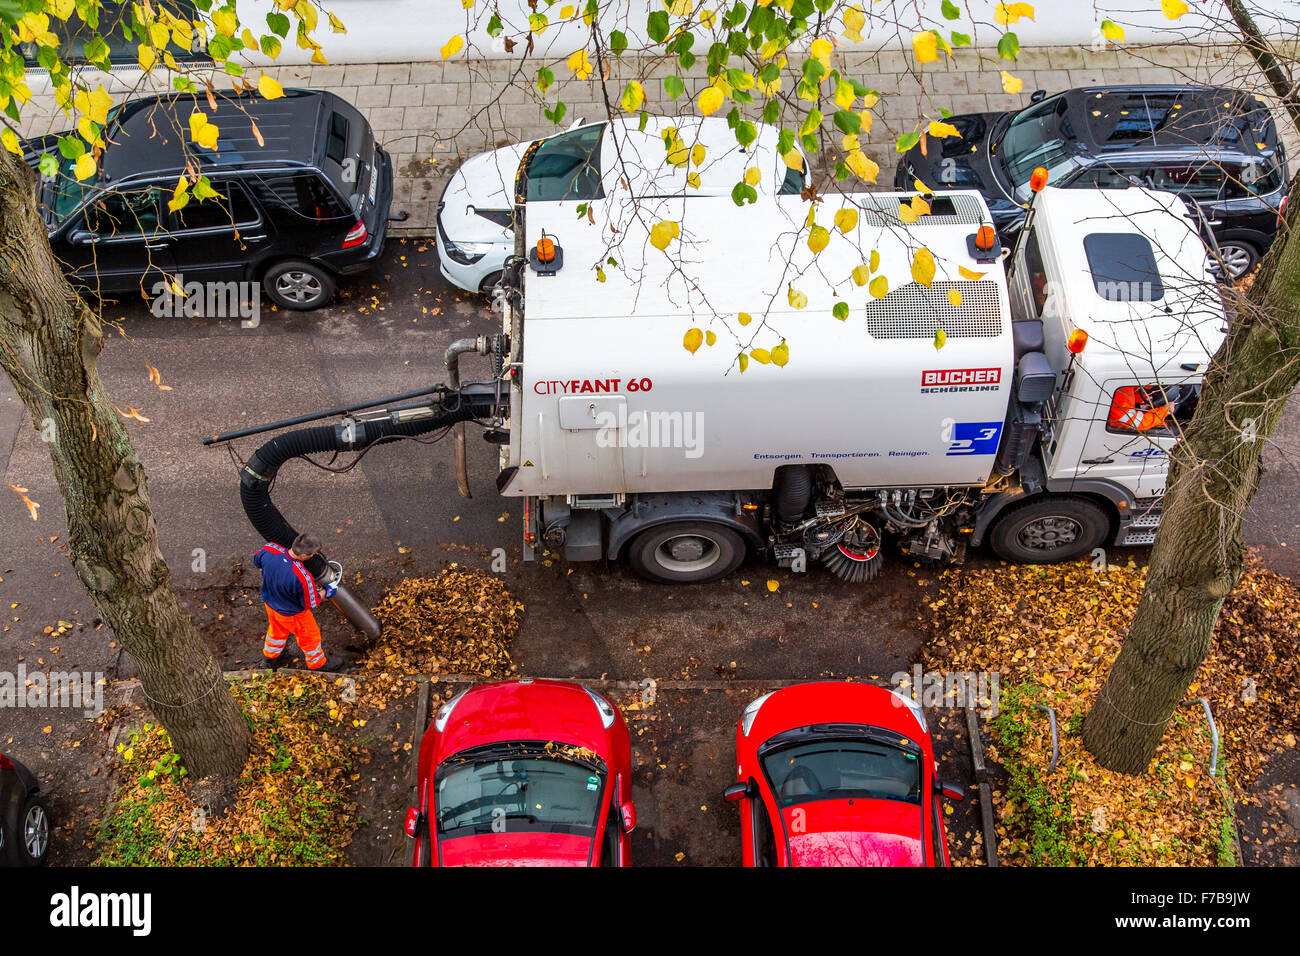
1239 258
298 285
1048 530
686 552
31 843
485 287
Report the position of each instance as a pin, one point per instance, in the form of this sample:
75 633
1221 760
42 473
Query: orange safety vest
1124 412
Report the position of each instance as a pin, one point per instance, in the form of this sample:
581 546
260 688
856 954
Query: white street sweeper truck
684 383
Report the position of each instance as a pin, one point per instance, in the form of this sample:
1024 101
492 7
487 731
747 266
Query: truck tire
1049 529
686 552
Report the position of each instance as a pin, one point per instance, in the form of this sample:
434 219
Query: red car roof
517 849
856 832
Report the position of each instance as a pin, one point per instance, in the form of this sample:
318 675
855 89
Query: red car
524 773
836 774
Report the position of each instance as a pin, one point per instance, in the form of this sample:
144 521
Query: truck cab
1120 281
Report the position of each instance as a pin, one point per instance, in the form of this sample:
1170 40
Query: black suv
1216 147
303 192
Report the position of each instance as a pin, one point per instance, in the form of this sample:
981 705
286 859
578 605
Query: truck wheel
298 285
686 552
1049 529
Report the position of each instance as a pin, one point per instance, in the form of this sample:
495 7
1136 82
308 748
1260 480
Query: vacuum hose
260 470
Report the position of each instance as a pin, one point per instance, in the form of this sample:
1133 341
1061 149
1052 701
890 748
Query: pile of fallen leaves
460 621
290 808
1051 633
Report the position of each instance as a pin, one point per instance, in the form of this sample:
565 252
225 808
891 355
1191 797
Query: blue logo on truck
974 438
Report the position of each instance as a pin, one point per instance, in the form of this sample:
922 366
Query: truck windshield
836 769
519 788
566 166
1037 136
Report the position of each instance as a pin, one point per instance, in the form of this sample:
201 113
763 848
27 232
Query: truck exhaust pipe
454 352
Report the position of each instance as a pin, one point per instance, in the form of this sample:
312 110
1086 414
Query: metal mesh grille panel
915 312
883 213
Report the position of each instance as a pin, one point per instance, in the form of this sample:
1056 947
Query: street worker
290 592
1139 409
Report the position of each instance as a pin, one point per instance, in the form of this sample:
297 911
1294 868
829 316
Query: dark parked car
307 204
24 818
1217 147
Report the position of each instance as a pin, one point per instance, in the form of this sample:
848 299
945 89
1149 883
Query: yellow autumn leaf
1112 31
793 159
920 206
874 260
269 87
1173 9
854 21
940 337
710 338
907 215
753 176
969 273
818 237
580 64
954 297
820 49
693 180
11 141
693 339
633 96
926 47
862 166
844 95
923 266
861 274
940 130
710 101
1012 84
797 299
846 220
146 57
1006 13
452 47
85 167
224 21
663 233
336 25
744 362
744 318
761 356
698 152
879 287
781 354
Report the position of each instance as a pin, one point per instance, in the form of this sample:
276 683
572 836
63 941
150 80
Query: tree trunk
49 345
1198 554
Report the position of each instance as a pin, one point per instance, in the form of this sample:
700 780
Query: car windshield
566 166
519 787
61 194
840 769
1037 136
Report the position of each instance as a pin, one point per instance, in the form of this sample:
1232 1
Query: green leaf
746 133
618 42
556 115
950 10
960 39
674 86
772 112
1009 46
742 193
278 23
494 26
582 209
785 141
907 141
71 146
657 26
545 78
48 165
847 121
270 46
203 189
841 311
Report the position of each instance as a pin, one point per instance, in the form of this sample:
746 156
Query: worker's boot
275 663
332 665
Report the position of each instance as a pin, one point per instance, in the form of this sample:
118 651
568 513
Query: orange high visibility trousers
303 627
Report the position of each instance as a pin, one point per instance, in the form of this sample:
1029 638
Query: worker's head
305 545
1152 396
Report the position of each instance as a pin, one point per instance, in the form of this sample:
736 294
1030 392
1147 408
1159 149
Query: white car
476 210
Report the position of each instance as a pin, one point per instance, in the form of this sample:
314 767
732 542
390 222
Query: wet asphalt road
399 511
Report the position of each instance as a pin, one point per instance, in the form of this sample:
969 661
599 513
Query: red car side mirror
628 814
412 825
740 791
953 791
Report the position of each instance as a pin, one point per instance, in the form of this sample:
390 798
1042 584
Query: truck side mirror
1035 379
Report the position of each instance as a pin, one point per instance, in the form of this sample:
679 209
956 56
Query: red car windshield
829 768
519 788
